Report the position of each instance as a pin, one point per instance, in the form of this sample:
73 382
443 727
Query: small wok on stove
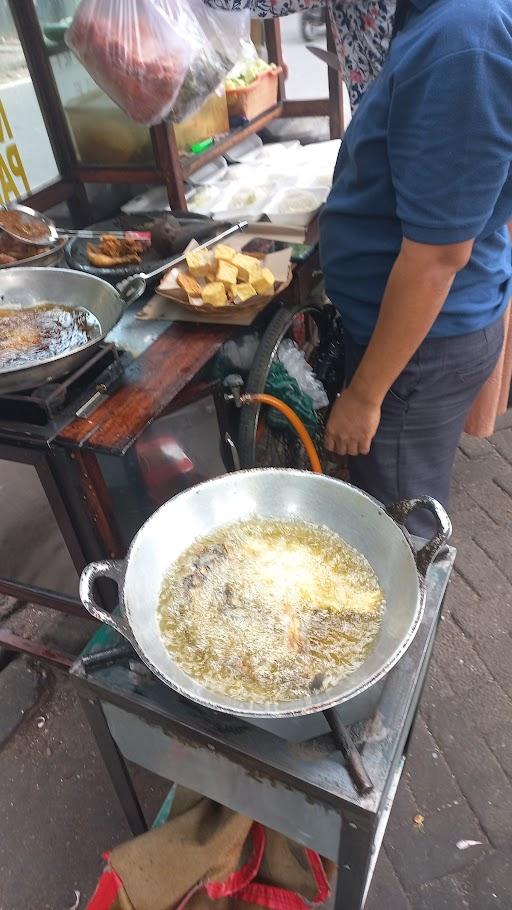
276 494
27 287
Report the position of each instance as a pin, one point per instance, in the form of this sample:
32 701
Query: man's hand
352 425
417 288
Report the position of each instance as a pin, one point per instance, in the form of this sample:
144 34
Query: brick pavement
459 772
458 776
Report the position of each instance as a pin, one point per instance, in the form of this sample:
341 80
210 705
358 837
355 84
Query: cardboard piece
164 308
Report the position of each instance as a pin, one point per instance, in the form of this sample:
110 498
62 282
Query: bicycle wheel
312 326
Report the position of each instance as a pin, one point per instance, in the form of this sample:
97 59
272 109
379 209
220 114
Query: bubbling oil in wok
29 335
269 611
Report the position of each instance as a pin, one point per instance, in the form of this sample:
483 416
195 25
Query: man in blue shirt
415 249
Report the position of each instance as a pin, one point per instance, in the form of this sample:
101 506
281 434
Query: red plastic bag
138 51
157 59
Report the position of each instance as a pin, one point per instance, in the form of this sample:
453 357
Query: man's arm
416 291
265 9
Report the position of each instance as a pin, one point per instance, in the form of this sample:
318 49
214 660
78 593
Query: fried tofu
243 292
227 273
265 283
189 284
199 262
214 294
249 268
224 252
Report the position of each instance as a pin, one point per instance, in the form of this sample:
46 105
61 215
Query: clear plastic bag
296 365
226 37
138 51
157 59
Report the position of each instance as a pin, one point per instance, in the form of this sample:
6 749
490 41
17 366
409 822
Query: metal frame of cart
299 789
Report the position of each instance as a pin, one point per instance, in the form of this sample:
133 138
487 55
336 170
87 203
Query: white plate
275 209
247 147
210 173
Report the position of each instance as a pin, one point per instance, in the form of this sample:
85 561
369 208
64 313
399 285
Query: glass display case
94 142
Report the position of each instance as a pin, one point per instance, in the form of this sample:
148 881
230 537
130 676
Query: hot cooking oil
267 610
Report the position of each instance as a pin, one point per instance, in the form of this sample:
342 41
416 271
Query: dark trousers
423 417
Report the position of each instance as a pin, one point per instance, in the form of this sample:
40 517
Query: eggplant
169 237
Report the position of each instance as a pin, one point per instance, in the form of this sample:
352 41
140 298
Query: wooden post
336 118
29 31
275 51
168 163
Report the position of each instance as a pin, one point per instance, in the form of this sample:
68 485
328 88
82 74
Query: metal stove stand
301 789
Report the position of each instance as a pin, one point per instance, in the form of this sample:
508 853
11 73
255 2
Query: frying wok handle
400 512
113 569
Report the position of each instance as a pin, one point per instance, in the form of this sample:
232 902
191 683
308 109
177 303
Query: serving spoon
53 234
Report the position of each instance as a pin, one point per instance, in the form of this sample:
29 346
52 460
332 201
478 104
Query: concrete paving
449 841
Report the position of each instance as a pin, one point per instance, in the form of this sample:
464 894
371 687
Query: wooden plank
168 161
313 107
99 173
99 504
27 25
275 51
192 163
148 386
337 123
49 195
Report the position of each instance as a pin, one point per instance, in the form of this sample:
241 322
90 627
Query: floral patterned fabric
362 30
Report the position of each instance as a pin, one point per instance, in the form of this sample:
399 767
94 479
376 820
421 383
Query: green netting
285 387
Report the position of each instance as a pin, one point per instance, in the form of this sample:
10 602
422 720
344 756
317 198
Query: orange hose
298 426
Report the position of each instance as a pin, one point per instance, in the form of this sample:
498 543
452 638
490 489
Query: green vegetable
248 72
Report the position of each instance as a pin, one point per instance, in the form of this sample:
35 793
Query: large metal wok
280 494
27 287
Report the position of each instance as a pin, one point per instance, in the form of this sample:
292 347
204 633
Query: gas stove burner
42 412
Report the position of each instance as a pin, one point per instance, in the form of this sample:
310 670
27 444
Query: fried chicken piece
114 251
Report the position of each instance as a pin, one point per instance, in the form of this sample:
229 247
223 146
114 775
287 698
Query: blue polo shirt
428 157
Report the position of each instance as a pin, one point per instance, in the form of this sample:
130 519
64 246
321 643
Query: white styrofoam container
274 153
203 199
260 175
276 208
228 207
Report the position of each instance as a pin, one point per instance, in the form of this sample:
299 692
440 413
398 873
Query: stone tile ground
59 812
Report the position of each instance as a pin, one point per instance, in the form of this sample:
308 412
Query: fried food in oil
47 330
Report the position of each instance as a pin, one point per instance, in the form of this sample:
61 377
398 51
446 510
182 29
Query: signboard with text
13 177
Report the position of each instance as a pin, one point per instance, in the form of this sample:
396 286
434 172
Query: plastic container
248 146
259 175
203 199
153 200
243 202
251 100
210 173
277 208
